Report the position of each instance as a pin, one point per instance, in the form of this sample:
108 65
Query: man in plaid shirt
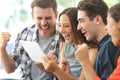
44 14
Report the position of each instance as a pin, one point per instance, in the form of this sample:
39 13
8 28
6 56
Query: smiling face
86 25
65 28
44 19
113 29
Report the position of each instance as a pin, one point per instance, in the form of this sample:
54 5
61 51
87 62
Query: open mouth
84 32
66 36
44 28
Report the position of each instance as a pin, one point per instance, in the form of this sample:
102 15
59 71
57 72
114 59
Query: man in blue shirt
92 21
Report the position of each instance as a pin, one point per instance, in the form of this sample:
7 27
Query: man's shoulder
109 43
108 47
107 40
31 28
27 31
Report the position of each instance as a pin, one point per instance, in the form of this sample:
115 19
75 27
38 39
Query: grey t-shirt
45 44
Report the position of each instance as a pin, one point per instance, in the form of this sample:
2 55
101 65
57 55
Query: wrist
2 50
56 70
85 63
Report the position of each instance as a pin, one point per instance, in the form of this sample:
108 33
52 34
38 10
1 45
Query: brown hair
94 8
117 55
45 4
115 12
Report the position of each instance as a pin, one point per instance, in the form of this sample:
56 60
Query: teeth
83 32
64 35
46 27
67 35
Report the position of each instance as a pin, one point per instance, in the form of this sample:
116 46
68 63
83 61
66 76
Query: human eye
59 25
80 20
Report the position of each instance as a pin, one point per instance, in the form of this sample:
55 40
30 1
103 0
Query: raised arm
82 55
6 60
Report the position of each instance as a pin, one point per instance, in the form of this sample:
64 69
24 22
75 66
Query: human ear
98 19
32 14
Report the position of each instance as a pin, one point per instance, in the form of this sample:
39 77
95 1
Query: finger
52 56
61 65
5 36
44 59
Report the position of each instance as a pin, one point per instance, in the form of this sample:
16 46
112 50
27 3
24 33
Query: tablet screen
33 49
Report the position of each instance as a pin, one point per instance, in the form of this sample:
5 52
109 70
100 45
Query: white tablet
33 49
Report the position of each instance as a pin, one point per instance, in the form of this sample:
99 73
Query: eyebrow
65 24
45 17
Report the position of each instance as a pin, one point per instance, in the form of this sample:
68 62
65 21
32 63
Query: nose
106 28
61 29
79 26
43 22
